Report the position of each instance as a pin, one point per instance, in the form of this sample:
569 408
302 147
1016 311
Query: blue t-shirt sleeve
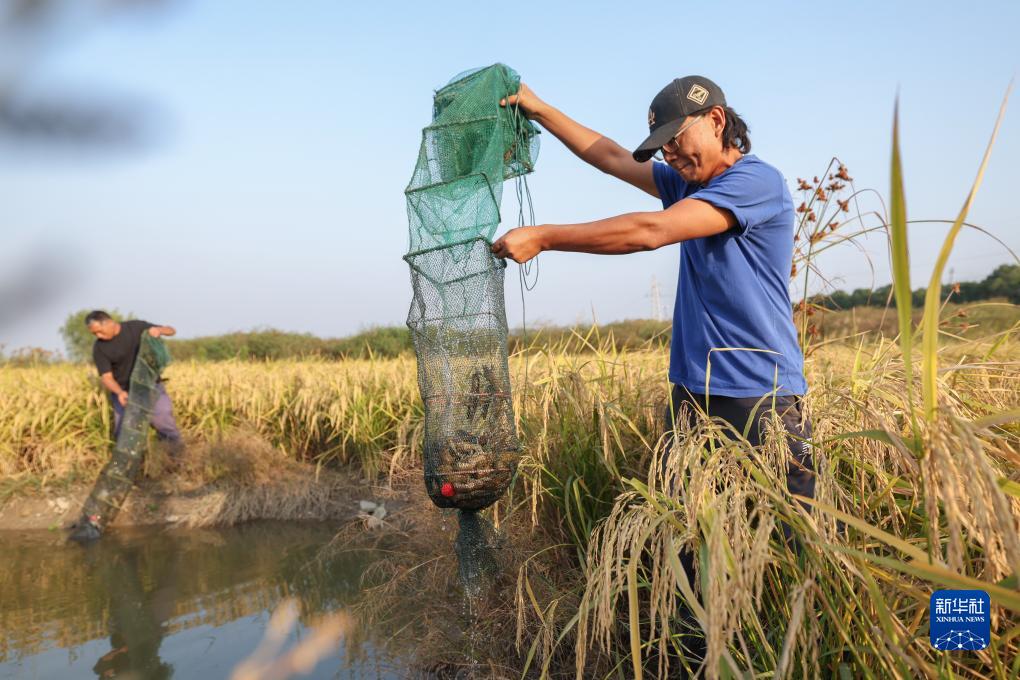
752 192
669 183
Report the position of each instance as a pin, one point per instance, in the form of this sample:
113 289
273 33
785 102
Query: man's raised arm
590 146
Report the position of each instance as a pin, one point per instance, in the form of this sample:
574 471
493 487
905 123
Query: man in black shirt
114 354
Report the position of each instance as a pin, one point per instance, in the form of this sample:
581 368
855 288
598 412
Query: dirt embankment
331 498
224 482
294 492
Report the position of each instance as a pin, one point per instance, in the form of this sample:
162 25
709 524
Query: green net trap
457 317
118 476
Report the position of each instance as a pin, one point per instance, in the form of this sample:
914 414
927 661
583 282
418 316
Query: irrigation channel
159 603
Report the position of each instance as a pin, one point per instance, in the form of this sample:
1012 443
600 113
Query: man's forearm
630 233
590 146
111 384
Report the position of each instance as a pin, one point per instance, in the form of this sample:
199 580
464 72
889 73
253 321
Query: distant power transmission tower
656 296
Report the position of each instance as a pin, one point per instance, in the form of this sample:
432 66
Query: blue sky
271 193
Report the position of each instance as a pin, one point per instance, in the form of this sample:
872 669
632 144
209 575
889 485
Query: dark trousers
739 411
162 416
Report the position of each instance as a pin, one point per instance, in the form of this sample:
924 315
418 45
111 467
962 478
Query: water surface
159 603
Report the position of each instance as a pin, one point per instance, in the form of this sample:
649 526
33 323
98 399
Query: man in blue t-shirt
734 350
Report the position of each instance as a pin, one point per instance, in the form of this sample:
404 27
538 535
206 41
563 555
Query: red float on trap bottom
447 490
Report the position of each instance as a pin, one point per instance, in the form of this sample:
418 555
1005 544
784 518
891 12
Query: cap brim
655 140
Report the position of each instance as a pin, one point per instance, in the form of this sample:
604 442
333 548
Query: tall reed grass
57 421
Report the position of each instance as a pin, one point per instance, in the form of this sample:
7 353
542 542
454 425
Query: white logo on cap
651 118
698 94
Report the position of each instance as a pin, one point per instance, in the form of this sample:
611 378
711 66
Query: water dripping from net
477 559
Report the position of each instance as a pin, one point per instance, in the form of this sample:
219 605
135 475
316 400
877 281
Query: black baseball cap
671 106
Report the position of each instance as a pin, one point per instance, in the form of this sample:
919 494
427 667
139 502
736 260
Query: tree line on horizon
391 341
1003 282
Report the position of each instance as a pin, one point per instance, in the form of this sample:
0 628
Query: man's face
104 330
696 152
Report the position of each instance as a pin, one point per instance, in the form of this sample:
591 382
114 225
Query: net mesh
457 317
118 476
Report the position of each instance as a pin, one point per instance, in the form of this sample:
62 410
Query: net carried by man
118 476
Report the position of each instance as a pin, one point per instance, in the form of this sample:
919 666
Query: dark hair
96 316
734 134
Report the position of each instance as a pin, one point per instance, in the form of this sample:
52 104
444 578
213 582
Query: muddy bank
298 495
412 592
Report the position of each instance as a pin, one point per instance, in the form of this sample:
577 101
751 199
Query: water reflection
137 617
161 604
